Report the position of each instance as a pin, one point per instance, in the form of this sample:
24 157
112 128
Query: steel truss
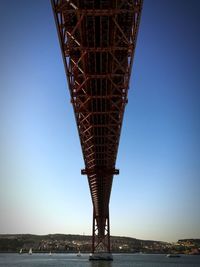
97 40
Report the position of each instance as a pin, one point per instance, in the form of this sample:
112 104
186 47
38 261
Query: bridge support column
101 239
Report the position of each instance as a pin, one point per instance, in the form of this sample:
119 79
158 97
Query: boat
78 254
50 253
30 251
173 255
21 250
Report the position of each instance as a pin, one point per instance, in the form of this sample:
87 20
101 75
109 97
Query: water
120 260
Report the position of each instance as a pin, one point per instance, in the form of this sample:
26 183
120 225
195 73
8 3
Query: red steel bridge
97 40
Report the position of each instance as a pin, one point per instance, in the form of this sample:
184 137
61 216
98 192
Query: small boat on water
50 253
21 250
30 251
173 255
78 254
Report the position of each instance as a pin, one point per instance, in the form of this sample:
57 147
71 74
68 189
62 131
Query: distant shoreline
63 243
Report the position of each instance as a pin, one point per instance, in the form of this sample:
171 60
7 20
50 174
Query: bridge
97 40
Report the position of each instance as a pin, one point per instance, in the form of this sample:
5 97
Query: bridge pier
101 238
104 256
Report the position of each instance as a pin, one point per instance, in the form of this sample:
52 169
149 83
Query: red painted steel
97 40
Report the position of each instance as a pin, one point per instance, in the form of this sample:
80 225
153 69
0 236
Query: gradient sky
157 194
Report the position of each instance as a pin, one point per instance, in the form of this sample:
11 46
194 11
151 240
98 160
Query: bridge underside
97 40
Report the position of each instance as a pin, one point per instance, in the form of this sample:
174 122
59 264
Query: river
120 260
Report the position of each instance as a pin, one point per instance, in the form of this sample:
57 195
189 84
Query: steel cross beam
97 40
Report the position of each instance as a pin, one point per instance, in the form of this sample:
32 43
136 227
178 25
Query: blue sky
156 195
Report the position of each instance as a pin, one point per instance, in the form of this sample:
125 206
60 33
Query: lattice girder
98 40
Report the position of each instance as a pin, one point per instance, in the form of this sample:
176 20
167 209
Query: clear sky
157 194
